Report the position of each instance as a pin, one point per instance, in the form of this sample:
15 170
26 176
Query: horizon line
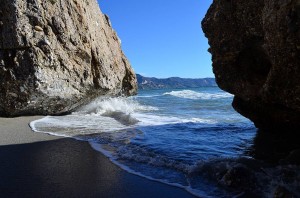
173 77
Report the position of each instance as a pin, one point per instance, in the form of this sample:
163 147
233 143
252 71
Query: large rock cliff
255 49
56 55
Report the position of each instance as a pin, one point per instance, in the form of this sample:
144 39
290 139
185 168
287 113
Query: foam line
188 94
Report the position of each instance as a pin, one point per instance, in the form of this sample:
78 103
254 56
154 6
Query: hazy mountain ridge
173 82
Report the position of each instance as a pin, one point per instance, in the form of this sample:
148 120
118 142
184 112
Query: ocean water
186 138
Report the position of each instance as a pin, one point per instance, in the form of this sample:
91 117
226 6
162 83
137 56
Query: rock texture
255 49
56 55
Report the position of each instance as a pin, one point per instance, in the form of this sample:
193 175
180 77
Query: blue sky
162 38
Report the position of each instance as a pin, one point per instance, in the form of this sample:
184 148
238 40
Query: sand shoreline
17 131
36 165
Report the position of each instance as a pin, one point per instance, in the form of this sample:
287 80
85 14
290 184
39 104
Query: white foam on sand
110 118
107 115
98 147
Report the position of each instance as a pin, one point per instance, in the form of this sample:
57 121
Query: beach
40 165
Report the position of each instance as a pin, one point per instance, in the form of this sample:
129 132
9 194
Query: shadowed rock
56 55
255 51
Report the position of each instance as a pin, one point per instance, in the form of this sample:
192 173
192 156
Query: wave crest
189 94
102 106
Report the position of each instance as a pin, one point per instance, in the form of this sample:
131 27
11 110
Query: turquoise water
166 135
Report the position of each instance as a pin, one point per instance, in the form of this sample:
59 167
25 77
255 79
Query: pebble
13 94
22 89
38 28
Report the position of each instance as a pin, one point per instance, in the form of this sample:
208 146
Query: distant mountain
173 82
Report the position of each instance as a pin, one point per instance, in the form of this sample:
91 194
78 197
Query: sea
189 138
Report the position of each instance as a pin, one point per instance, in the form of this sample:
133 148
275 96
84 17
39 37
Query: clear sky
162 38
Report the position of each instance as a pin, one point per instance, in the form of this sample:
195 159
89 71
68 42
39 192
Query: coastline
36 165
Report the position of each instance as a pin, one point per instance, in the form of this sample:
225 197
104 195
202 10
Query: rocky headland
173 82
255 49
56 55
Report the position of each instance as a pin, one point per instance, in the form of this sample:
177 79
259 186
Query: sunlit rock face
255 51
56 55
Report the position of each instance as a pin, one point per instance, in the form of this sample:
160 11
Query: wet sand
40 165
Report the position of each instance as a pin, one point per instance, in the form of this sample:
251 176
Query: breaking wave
191 144
120 104
188 94
106 115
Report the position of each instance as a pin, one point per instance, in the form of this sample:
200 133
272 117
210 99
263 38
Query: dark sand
38 165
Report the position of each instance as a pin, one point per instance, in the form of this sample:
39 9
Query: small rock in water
238 177
38 28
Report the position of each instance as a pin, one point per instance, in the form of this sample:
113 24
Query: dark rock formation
276 147
247 177
282 192
56 55
173 82
255 50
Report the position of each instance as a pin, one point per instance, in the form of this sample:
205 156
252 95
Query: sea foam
158 136
107 115
189 94
120 104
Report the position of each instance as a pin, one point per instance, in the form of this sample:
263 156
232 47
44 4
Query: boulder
56 55
255 47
